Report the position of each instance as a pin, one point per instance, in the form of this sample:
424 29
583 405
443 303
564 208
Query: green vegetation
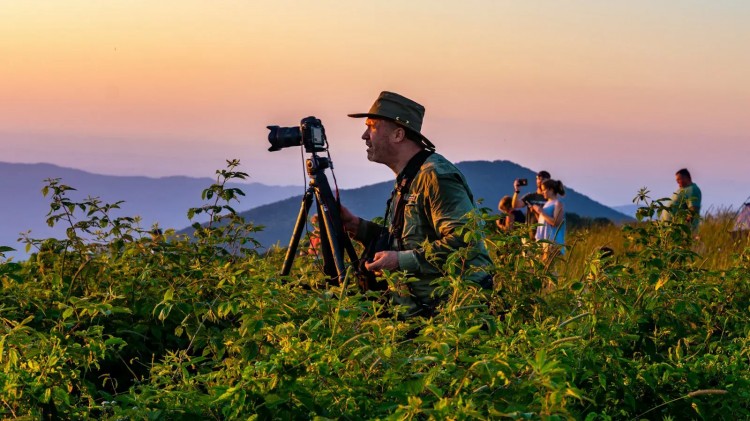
109 323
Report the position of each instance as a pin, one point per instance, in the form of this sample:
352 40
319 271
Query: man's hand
516 186
350 220
387 260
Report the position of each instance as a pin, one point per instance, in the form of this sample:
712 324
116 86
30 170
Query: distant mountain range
629 210
489 181
156 200
165 201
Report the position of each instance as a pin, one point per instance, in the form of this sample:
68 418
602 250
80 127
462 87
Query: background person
533 198
314 246
741 227
551 218
433 206
157 235
156 240
686 199
511 217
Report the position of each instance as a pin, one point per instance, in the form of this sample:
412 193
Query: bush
109 323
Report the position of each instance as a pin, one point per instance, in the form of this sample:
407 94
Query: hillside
489 181
156 200
629 209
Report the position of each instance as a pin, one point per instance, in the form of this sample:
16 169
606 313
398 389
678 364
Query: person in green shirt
687 198
437 198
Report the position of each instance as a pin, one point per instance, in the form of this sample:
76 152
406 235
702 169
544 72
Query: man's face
539 181
682 181
377 137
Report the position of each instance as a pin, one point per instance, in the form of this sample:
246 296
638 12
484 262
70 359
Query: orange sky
630 91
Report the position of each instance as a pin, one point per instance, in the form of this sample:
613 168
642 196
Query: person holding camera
429 203
551 217
512 216
530 199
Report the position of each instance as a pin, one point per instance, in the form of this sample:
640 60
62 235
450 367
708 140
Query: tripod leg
334 239
326 247
349 247
294 241
333 228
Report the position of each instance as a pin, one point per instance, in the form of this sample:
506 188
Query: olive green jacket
437 203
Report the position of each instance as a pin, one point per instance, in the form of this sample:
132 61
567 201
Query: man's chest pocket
414 221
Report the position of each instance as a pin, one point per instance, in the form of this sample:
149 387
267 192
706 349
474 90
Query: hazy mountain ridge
629 210
489 182
163 200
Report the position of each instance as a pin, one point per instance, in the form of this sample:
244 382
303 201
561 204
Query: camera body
522 181
310 133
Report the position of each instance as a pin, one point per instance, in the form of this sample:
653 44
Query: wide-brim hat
400 110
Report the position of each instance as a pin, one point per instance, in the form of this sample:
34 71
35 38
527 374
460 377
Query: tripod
333 239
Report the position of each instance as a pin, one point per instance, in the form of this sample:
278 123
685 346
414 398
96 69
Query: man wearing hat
434 199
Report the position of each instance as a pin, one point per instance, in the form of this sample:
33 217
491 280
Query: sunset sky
609 96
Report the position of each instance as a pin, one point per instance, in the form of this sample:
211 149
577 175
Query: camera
522 181
310 133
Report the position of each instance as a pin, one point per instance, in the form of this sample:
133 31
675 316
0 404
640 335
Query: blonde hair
506 204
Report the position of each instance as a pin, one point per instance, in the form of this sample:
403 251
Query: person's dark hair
554 185
684 172
544 175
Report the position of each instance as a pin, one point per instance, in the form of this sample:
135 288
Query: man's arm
362 230
351 221
517 203
693 198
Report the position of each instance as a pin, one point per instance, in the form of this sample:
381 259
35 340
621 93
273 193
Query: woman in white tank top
551 216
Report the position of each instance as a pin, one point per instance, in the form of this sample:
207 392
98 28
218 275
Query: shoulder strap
403 183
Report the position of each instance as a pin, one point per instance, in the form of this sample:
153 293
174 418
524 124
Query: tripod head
315 165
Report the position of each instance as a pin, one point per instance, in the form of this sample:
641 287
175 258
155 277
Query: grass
714 243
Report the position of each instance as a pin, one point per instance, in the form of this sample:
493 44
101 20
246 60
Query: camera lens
283 137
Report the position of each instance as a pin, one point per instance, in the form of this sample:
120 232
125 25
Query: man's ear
399 134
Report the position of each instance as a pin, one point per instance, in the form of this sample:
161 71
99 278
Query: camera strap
400 192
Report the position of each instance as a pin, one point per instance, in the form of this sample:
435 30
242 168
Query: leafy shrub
109 323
